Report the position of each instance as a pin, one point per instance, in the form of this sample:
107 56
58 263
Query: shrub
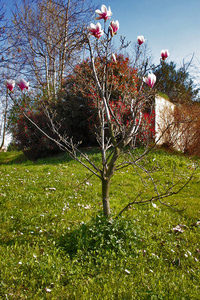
30 140
72 116
188 119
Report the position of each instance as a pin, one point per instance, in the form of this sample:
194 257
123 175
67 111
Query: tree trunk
4 122
105 196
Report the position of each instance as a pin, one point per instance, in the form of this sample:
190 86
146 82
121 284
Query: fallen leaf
196 224
178 228
51 189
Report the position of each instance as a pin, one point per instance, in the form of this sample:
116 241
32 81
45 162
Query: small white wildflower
88 183
20 263
192 270
87 207
154 205
48 290
127 271
155 255
52 189
34 256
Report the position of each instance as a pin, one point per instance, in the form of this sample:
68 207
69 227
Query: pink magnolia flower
96 30
10 84
150 79
114 27
22 84
104 13
140 39
114 58
164 54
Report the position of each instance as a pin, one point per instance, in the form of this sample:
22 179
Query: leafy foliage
71 114
29 139
188 118
122 82
74 113
177 84
100 236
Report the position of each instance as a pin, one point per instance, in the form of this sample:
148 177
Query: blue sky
171 24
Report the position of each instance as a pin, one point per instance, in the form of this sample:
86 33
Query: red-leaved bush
75 110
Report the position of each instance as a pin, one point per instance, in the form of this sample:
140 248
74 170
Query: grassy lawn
55 243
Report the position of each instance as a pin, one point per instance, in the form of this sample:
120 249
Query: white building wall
167 131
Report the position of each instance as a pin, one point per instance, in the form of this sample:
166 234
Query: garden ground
55 243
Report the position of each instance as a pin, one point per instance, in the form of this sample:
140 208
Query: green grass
55 243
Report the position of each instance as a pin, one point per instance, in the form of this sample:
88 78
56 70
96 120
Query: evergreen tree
176 83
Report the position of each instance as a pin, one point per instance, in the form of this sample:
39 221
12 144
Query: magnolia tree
115 134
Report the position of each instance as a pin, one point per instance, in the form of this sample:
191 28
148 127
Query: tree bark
4 122
105 196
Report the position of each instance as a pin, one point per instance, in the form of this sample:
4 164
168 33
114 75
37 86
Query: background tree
176 83
4 71
42 41
47 36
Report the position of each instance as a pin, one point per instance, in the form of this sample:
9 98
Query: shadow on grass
14 157
17 157
101 236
